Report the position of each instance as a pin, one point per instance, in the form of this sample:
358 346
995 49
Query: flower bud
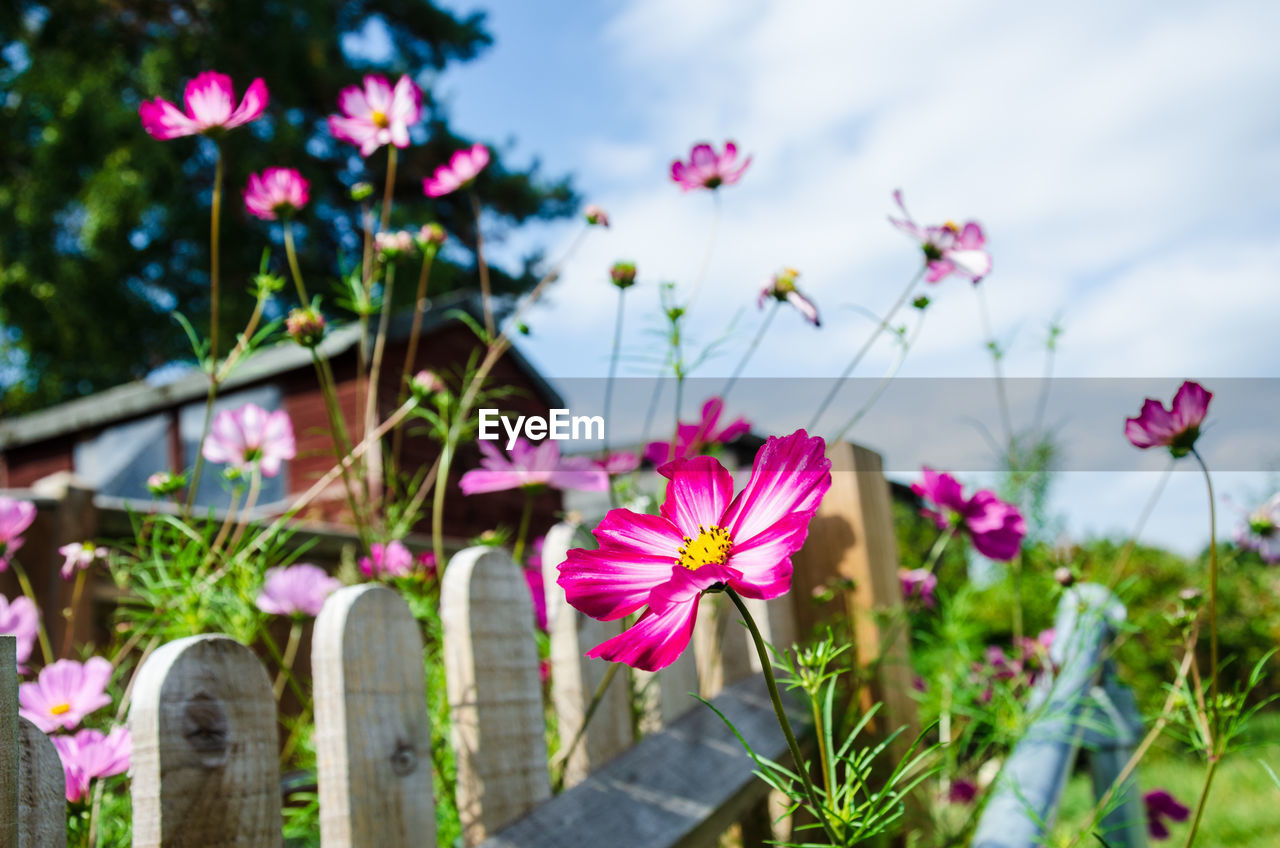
165 483
1064 576
431 235
921 302
305 325
392 244
361 191
596 216
623 274
426 383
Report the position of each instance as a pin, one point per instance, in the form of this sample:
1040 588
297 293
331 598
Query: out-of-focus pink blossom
1260 531
390 560
918 584
949 248
394 243
537 593
426 562
91 754
463 167
693 438
1176 428
596 216
377 114
529 465
622 462
782 287
296 590
210 102
1162 806
79 556
995 527
707 169
962 791
15 517
20 618
65 692
250 435
276 192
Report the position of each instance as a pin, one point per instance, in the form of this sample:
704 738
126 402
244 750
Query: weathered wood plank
42 798
9 735
721 645
495 695
205 769
373 739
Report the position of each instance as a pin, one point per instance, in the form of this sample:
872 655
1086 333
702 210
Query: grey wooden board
678 788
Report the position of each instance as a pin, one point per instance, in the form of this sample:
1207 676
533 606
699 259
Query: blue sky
1124 159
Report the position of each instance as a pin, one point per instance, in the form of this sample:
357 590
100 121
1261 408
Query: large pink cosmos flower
276 192
706 169
692 438
703 539
377 114
65 692
1260 531
996 528
1176 428
1161 805
15 517
21 619
210 102
251 435
296 590
463 167
90 754
782 287
948 249
532 465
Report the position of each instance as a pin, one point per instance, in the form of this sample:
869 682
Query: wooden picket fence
205 768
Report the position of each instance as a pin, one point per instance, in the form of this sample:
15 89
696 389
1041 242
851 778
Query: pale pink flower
251 435
79 556
692 438
615 464
210 100
21 619
91 754
15 517
377 114
1260 531
296 590
531 465
706 169
782 287
390 560
948 249
995 527
392 243
463 167
918 584
276 192
65 692
596 216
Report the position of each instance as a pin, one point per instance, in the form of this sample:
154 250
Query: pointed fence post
495 694
42 788
575 678
373 738
9 735
205 770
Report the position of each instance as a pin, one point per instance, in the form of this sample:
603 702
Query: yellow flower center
952 226
712 545
379 119
60 709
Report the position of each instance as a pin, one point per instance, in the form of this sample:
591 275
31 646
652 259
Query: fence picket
205 748
42 787
495 695
9 735
373 739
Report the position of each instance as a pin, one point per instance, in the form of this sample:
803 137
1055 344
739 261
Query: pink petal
764 559
806 307
654 642
1190 405
790 475
698 493
208 99
377 91
971 237
482 480
406 102
164 121
974 264
351 130
352 102
251 107
703 158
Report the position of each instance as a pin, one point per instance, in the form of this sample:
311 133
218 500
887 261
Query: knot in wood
404 760
204 726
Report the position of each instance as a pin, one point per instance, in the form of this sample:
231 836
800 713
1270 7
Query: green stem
274 650
290 655
613 370
483 268
389 189
1212 718
411 353
522 534
939 545
68 637
373 465
1202 802
437 500
596 698
215 237
824 757
341 443
751 349
25 583
294 269
1001 395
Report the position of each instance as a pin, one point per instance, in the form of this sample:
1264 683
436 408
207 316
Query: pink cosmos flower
90 754
390 560
21 619
377 114
707 170
296 590
1161 805
996 528
463 167
703 539
251 435
276 192
532 465
1176 428
948 249
692 438
962 791
782 287
596 216
15 517
209 99
918 584
426 563
1260 531
79 556
615 464
65 692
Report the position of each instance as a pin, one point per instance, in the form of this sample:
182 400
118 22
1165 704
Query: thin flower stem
246 511
411 353
292 254
24 582
1213 607
373 466
437 497
68 636
613 369
341 443
274 650
1143 517
883 385
517 552
482 267
596 697
388 191
215 237
751 349
705 264
1203 801
824 756
996 356
940 545
286 661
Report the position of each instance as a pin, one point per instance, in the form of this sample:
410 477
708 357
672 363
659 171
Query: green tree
104 231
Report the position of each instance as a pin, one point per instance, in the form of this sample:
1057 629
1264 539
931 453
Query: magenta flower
948 249
615 464
1260 531
426 562
276 192
532 465
64 693
692 438
782 287
15 517
538 594
463 167
390 560
702 540
377 114
296 590
995 527
1161 805
707 170
91 754
79 556
918 584
251 436
962 791
21 619
210 100
1176 428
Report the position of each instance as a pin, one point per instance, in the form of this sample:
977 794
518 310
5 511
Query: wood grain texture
9 735
205 770
42 791
373 739
495 694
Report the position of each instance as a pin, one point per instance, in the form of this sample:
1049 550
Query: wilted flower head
65 692
210 100
392 244
706 169
1161 805
782 287
376 114
387 560
276 192
918 584
165 483
1176 428
692 438
296 590
623 274
15 517
948 249
21 619
529 465
431 235
596 216
305 325
79 556
250 435
463 167
995 527
91 754
1260 531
